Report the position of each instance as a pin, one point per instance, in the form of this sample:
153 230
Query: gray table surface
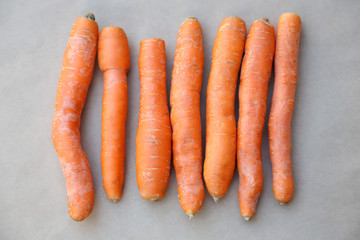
326 131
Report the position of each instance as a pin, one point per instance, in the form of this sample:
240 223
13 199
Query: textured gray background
326 131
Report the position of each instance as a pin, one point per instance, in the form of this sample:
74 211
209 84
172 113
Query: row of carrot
160 134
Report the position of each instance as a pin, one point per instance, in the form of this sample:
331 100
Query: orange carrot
286 58
153 139
220 117
185 115
254 79
114 62
75 78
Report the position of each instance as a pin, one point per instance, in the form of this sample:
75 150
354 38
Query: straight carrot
185 115
75 78
153 139
254 79
286 59
114 62
220 116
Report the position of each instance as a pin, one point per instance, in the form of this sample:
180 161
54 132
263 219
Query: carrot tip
247 219
114 198
265 19
190 216
215 199
154 199
90 16
282 203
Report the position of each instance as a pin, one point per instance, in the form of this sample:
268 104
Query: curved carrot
114 62
185 115
286 58
220 116
153 139
254 79
75 78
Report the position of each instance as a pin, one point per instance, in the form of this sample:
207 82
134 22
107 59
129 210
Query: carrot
185 115
220 117
153 139
254 79
286 59
75 78
114 62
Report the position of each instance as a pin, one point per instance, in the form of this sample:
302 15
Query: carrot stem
90 16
